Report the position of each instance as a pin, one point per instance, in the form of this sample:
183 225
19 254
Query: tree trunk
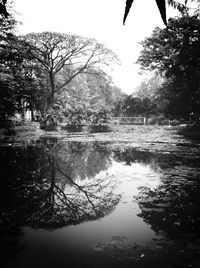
52 84
32 112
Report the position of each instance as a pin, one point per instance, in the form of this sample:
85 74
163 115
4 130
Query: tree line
172 56
65 77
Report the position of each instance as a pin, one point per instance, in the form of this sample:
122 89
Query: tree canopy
174 53
67 56
54 75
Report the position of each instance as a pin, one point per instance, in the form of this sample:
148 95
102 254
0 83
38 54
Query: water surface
100 200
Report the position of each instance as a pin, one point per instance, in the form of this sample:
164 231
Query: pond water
100 200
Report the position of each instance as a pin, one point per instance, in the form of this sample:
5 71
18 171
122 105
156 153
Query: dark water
82 202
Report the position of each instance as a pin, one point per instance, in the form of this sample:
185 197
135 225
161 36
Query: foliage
81 115
134 106
21 80
174 53
100 116
159 119
149 87
3 9
7 102
151 90
51 118
62 57
38 71
41 71
75 116
8 55
85 99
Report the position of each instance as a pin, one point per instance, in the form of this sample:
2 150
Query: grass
191 131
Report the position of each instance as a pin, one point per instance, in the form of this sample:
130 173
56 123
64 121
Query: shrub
100 117
49 121
158 119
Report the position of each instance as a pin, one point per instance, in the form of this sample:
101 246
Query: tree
89 98
70 55
8 55
22 82
149 87
174 53
134 106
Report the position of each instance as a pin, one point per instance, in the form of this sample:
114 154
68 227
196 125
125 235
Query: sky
99 19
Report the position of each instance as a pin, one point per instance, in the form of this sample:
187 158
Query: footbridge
128 120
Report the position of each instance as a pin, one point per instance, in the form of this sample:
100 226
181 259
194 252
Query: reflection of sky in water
123 221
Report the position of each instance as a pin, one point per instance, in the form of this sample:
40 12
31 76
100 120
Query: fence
128 120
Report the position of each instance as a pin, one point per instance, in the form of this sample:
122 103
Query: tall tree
149 87
8 55
174 53
57 53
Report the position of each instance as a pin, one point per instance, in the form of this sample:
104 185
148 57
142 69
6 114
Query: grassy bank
191 132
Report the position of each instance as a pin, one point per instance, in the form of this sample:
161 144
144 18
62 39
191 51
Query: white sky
99 19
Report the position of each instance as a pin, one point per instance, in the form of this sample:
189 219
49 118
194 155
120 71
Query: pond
100 200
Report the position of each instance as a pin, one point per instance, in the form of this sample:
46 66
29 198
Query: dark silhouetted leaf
182 8
162 9
3 10
127 8
160 4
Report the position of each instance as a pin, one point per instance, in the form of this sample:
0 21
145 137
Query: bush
158 120
51 118
99 128
73 128
100 117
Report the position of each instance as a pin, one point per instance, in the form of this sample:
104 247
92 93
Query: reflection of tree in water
127 155
82 160
173 207
38 189
132 155
157 160
172 210
74 202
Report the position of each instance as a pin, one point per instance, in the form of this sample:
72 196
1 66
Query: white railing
128 120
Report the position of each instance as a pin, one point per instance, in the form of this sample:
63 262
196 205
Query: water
100 200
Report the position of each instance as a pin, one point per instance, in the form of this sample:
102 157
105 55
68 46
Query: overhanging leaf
127 8
3 10
162 8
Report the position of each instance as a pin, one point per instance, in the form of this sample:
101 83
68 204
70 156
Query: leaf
3 10
161 6
127 8
162 9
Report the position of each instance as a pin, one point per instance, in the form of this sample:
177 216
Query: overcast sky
99 19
